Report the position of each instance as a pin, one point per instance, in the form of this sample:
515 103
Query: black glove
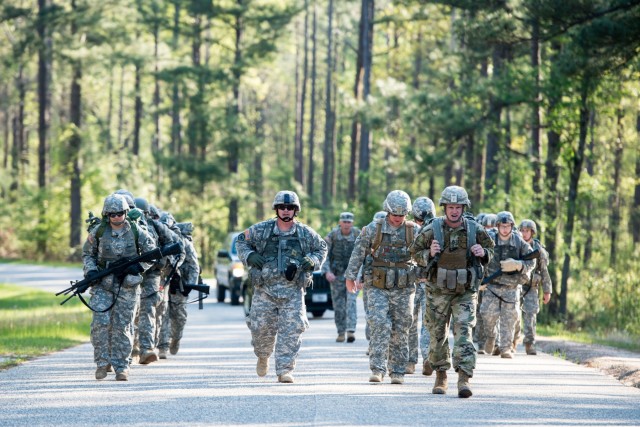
256 260
307 264
290 272
134 269
91 274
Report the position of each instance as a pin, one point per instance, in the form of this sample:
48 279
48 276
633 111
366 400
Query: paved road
212 380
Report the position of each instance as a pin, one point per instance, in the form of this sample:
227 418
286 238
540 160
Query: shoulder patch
241 237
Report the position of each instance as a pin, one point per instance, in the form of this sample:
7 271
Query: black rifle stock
117 268
527 257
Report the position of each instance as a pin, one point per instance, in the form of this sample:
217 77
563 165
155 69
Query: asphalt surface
212 381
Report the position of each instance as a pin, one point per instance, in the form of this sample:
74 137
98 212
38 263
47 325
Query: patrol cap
346 216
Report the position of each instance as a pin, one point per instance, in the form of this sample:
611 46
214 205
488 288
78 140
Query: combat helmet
490 220
142 204
154 211
505 217
168 219
114 203
530 224
286 197
346 216
423 209
397 203
128 197
454 195
480 217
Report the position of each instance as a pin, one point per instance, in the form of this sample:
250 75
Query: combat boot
397 378
109 368
147 357
376 377
463 384
263 366
135 352
122 376
340 338
530 349
162 353
410 369
489 344
496 351
427 369
481 350
506 354
101 372
285 378
174 346
351 337
440 387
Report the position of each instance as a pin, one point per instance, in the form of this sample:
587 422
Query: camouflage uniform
175 316
111 330
278 314
500 302
452 299
390 288
339 249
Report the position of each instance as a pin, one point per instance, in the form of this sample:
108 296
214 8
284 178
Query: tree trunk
137 112
176 125
614 218
357 95
367 63
300 104
155 141
536 147
495 111
234 152
635 211
18 152
109 143
576 169
588 216
75 143
121 128
44 93
507 159
312 118
258 175
328 159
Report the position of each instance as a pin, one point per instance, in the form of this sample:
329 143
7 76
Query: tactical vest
134 228
502 252
391 263
457 269
112 248
341 250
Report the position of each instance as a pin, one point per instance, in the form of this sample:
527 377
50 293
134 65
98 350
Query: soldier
501 300
340 243
453 250
540 276
187 272
113 300
150 311
282 254
488 221
391 288
423 212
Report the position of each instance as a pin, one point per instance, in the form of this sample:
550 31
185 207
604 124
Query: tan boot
397 378
463 384
263 366
427 369
109 368
410 369
122 376
162 353
340 338
174 346
506 354
530 349
351 336
496 351
285 378
481 350
148 356
375 377
440 387
101 372
489 344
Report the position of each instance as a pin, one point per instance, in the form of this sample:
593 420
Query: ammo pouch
453 281
392 275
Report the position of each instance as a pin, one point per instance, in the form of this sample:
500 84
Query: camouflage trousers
112 331
390 317
422 344
365 299
173 321
277 322
500 311
344 306
461 309
530 309
150 300
478 331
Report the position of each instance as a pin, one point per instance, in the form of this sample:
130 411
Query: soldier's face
527 234
504 230
395 220
453 212
345 226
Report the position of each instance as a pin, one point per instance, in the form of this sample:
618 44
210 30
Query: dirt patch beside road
623 365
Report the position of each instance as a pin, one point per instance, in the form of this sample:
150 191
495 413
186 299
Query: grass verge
33 323
608 338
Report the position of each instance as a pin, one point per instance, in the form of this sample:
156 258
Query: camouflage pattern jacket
339 249
540 273
515 248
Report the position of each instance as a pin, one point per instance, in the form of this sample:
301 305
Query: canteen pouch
461 282
403 278
452 281
390 281
379 277
441 278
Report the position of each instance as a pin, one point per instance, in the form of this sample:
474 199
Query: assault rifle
117 268
527 257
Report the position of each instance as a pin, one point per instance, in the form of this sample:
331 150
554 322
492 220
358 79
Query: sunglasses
286 207
116 214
